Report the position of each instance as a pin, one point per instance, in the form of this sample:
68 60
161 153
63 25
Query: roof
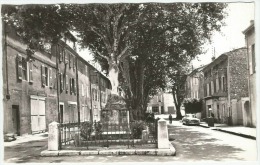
221 58
82 59
197 70
251 26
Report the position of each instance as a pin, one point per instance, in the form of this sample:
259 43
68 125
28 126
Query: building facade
250 113
162 103
225 86
46 86
194 87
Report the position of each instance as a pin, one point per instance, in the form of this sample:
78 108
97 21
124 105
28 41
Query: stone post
163 140
53 136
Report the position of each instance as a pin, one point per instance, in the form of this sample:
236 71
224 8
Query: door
16 119
61 112
38 120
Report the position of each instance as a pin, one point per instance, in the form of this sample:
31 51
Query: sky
231 36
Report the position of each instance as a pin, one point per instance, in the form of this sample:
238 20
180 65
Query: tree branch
119 57
105 57
106 42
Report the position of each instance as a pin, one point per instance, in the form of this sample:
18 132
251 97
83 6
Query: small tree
192 105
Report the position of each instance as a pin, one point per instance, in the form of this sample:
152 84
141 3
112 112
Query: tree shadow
197 145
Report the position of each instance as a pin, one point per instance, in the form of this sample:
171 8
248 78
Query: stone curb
230 132
235 133
153 152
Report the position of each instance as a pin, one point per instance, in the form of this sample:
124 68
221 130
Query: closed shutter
41 119
67 84
61 82
43 76
70 60
66 56
250 59
74 63
71 90
50 78
75 87
19 67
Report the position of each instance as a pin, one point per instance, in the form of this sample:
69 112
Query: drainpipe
6 62
100 97
228 86
90 91
57 78
77 81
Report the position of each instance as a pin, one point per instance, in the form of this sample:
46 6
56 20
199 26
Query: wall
250 40
21 90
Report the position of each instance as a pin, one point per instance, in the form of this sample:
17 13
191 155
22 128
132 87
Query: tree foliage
141 46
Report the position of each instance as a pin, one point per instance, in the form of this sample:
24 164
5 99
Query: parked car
190 119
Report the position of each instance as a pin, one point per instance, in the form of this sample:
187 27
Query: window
96 95
155 109
223 84
253 57
215 88
50 78
45 76
21 68
93 94
73 88
61 82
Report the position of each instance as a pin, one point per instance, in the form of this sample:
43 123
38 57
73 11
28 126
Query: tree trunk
177 105
113 72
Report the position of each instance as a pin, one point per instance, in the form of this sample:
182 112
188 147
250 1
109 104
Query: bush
86 129
136 129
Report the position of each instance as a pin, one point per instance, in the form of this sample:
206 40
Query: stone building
250 107
54 84
30 94
225 86
162 103
194 87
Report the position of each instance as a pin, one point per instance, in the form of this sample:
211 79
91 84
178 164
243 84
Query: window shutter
82 89
74 63
66 57
19 67
50 78
75 87
71 60
43 76
61 82
70 85
67 83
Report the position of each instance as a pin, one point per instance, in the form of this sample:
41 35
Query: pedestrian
170 118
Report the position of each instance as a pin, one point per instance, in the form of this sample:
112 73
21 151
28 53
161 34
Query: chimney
252 22
213 58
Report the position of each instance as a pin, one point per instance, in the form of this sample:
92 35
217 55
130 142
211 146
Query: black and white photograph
129 81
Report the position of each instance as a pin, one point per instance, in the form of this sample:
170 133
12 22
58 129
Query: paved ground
192 143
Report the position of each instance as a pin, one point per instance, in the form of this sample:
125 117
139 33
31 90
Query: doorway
61 112
16 119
